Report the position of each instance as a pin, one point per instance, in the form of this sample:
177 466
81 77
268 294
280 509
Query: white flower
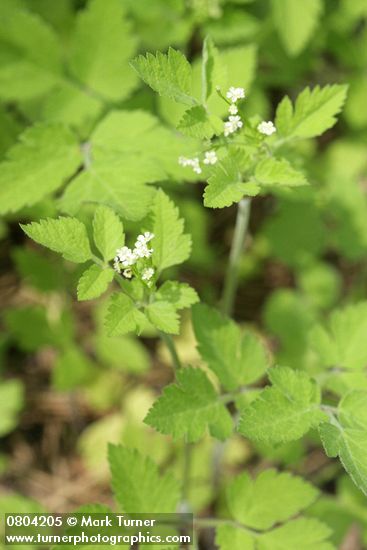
148 236
147 274
232 109
194 163
210 157
234 94
126 256
127 273
232 124
266 128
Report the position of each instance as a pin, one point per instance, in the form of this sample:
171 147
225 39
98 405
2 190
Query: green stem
187 456
239 235
215 522
168 340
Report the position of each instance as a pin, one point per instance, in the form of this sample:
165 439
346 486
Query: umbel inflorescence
136 261
230 126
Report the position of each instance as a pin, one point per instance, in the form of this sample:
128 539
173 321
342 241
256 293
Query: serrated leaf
285 411
67 236
23 60
225 186
94 282
137 484
269 499
46 155
314 111
295 22
270 171
171 245
196 123
108 232
188 407
101 47
302 533
180 295
237 358
123 316
163 316
346 437
168 74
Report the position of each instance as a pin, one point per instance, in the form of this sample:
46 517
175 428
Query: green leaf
213 71
188 407
342 342
225 185
170 75
138 486
269 499
237 358
346 437
109 184
313 113
72 369
46 155
123 316
295 21
67 236
163 316
27 70
180 295
271 171
101 47
302 533
171 245
11 403
233 538
285 411
108 232
196 123
94 282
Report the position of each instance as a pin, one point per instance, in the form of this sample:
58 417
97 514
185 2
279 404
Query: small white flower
126 256
147 274
127 273
210 157
148 236
232 109
266 128
234 94
194 163
232 124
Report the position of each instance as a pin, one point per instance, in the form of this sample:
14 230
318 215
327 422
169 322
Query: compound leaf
188 407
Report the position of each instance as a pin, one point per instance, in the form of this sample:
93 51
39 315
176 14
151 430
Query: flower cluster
234 121
126 257
266 128
194 163
210 157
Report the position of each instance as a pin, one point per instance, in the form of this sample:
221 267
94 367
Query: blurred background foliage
66 388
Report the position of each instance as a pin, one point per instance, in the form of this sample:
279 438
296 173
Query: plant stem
187 455
239 235
168 340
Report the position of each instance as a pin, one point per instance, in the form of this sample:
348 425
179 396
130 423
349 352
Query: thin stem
168 340
215 522
187 456
239 235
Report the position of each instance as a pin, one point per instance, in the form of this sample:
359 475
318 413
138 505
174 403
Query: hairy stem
239 235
